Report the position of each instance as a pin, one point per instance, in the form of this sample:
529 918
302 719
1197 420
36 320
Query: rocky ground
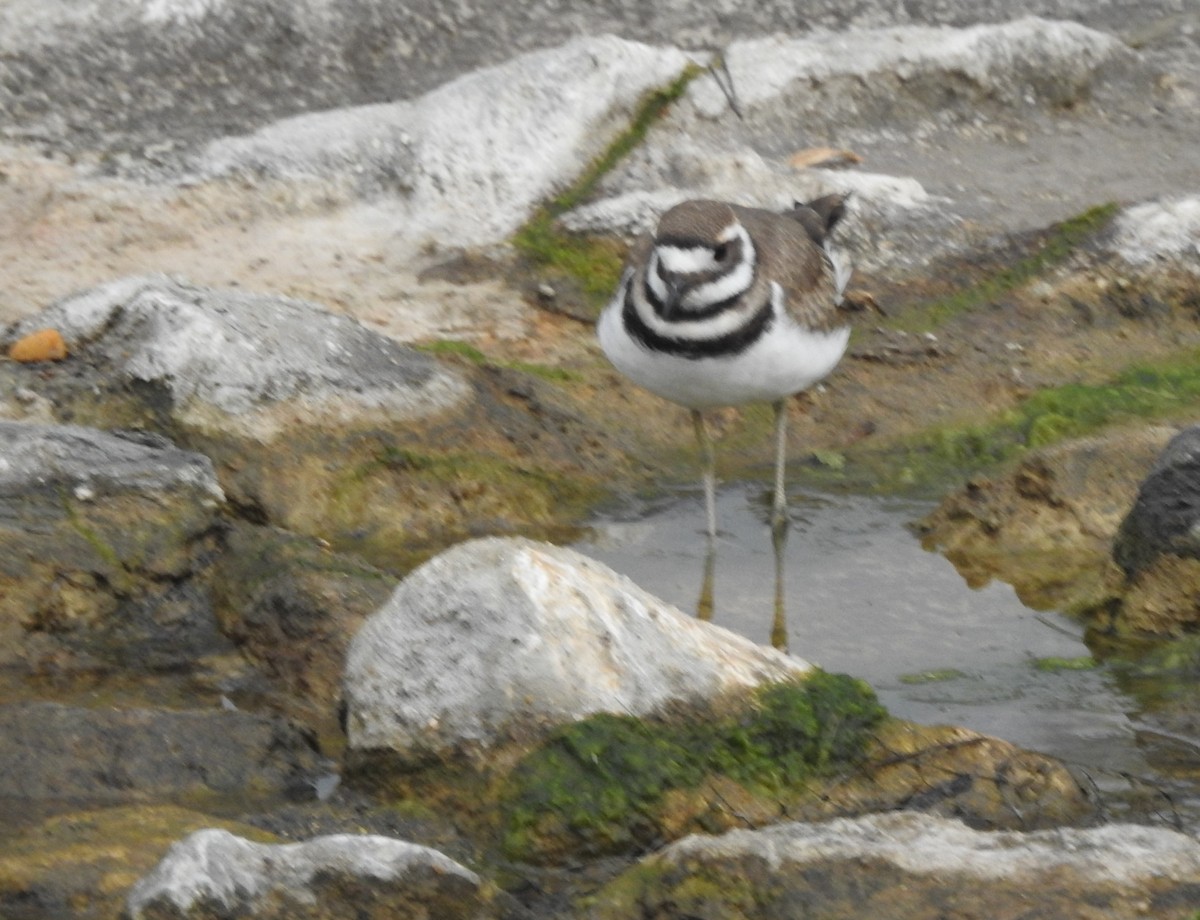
324 277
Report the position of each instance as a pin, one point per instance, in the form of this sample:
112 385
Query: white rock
753 182
215 865
995 57
879 205
245 355
472 158
500 638
1168 228
922 844
700 149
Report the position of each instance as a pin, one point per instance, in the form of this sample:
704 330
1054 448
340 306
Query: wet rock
105 542
292 607
1047 527
500 640
1157 547
913 866
955 773
473 158
1166 514
55 753
214 872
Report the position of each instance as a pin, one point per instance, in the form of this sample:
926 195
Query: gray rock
914 866
213 872
249 362
147 80
54 753
498 640
90 464
104 544
316 423
473 158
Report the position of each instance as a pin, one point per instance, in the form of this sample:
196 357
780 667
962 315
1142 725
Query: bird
725 305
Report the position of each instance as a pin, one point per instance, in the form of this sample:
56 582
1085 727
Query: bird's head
702 256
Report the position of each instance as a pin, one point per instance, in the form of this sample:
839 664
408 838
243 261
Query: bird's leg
710 473
779 518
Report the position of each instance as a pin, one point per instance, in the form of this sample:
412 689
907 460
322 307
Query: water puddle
863 597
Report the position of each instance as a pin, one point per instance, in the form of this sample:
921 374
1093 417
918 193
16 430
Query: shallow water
863 597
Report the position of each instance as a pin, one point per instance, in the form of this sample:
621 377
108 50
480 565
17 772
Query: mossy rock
612 784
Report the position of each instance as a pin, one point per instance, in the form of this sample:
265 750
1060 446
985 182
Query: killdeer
726 305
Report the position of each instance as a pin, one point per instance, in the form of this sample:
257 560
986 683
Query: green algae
601 783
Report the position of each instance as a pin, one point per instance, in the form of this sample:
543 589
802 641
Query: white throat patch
692 260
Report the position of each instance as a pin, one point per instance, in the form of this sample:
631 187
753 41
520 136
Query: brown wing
803 269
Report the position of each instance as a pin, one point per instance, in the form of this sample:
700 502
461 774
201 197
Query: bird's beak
672 300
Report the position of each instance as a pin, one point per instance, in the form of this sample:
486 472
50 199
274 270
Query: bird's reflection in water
705 606
779 631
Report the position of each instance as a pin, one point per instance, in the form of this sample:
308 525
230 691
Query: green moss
456 348
545 371
1058 243
1053 663
591 263
830 459
599 782
450 467
652 107
945 453
473 355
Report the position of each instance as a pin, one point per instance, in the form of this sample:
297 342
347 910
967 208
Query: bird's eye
721 252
